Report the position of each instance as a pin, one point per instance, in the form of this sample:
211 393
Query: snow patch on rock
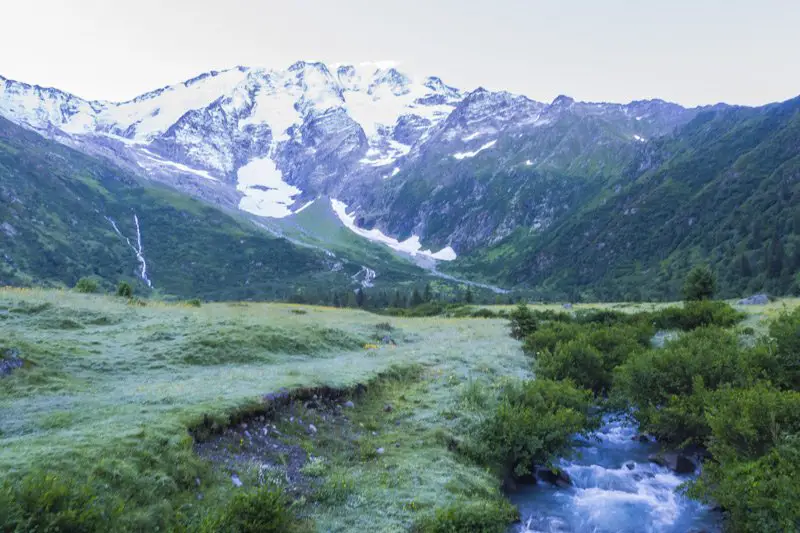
411 246
265 192
467 155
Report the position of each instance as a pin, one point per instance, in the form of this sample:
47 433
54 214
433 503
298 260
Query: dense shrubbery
532 425
667 386
472 516
738 400
695 315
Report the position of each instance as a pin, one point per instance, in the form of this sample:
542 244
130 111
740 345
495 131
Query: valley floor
109 390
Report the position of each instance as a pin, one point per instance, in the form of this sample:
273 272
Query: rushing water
615 490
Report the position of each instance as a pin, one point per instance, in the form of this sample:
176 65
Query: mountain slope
724 189
270 141
66 215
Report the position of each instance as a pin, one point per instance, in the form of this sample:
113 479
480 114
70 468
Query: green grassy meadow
111 387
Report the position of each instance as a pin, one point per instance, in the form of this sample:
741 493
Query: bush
701 284
576 360
523 323
695 315
470 517
533 423
124 289
748 423
194 302
263 510
758 495
549 335
86 285
666 387
785 335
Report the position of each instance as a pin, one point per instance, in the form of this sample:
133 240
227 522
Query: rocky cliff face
410 157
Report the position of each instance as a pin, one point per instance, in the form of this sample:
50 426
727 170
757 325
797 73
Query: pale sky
688 51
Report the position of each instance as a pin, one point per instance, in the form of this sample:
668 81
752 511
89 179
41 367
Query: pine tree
745 270
468 296
416 299
775 257
701 284
398 302
361 298
428 294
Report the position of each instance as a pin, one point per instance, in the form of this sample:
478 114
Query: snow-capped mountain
272 133
271 141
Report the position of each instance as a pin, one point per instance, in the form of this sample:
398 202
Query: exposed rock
630 465
10 361
567 306
756 299
677 462
380 451
557 477
312 428
236 481
388 408
349 404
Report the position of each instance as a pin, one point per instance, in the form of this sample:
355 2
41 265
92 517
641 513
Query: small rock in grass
244 426
236 481
312 428
388 408
247 434
349 404
380 451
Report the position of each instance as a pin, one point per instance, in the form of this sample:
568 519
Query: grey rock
559 478
677 462
567 306
630 465
380 451
349 404
312 428
756 299
236 481
388 408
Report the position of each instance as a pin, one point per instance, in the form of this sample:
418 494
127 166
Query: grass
109 391
110 396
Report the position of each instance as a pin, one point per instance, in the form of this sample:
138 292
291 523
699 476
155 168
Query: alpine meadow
316 296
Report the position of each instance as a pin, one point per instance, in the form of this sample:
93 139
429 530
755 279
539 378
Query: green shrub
748 423
667 386
576 360
533 424
263 510
785 334
701 284
194 302
548 335
523 323
758 495
86 285
470 517
697 314
124 289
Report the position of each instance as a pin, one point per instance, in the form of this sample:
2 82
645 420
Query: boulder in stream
677 462
557 477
